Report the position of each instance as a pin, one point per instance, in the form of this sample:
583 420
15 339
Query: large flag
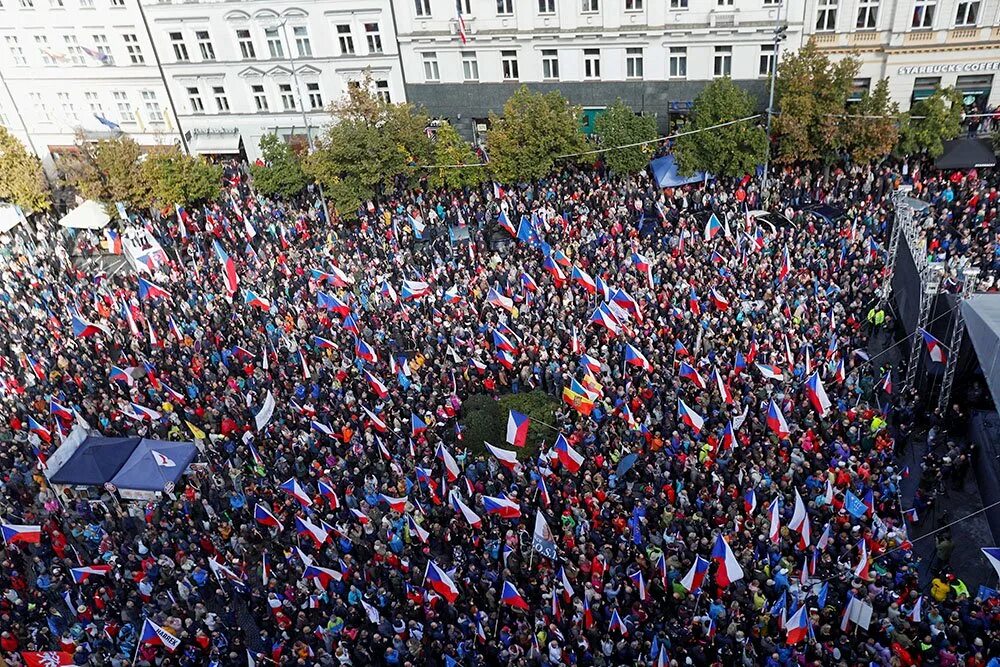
935 348
149 290
690 417
569 457
84 329
511 597
517 428
14 533
47 658
439 580
154 634
228 267
993 556
817 394
729 568
696 575
776 420
542 540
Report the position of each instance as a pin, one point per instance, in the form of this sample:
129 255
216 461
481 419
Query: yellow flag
196 432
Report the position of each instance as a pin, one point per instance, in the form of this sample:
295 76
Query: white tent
10 217
88 215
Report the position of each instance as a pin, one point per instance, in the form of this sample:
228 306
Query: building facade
656 55
919 45
79 67
240 70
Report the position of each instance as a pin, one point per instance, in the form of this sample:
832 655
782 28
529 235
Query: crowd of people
717 486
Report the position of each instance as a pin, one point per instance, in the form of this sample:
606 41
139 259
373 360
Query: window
633 5
550 64
94 103
633 62
678 4
592 63
152 106
508 65
968 12
859 88
590 6
723 61
431 72
66 106
725 3
345 39
678 62
302 44
16 52
546 6
767 52
117 3
923 13
464 6
274 45
287 99
42 112
382 90
132 46
505 7
221 101
826 15
315 98
470 66
205 45
84 4
259 97
27 4
246 44
58 4
124 107
104 49
867 14
771 2
180 48
373 37
423 7
194 97
42 42
74 50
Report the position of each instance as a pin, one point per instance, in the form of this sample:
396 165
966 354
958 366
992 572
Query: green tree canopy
22 181
109 171
370 143
930 122
175 178
450 148
871 128
620 126
732 150
812 96
281 174
534 130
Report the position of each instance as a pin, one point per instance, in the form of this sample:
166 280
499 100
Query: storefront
221 143
911 83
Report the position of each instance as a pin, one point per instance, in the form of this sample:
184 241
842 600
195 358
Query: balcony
866 38
963 35
922 37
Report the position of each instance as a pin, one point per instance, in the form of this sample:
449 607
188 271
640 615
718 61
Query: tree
812 96
870 129
109 171
175 178
620 126
930 122
449 149
281 174
372 143
534 130
732 150
22 181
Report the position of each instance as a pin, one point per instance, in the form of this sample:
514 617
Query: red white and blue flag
16 533
517 428
228 267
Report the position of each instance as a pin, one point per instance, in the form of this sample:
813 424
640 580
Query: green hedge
485 419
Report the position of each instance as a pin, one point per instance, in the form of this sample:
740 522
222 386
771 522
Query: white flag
162 459
264 416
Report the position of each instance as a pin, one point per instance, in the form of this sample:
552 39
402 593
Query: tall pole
302 107
163 77
770 99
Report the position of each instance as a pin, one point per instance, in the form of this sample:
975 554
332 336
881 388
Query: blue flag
854 505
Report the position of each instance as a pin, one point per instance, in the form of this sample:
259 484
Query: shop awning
88 215
966 154
215 144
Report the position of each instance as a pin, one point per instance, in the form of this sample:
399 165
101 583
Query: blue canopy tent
153 464
665 173
95 461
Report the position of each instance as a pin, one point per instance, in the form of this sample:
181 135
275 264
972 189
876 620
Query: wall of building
236 81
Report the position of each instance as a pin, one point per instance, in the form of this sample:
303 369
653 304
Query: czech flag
510 596
774 512
375 420
440 582
712 228
724 392
324 574
817 394
376 385
617 623
58 410
771 372
505 358
937 351
332 303
786 266
338 278
44 433
728 436
155 635
529 283
451 295
141 412
680 350
253 299
690 417
362 518
689 373
503 343
634 357
228 267
750 501
414 289
395 504
264 517
507 509
365 352
495 298
721 302
569 457
466 512
517 428
84 329
642 264
323 343
603 317
81 574
776 421
120 375
14 533
450 464
887 382
696 575
417 425
317 534
148 290
505 222
729 568
294 489
507 457
797 626
590 363
583 279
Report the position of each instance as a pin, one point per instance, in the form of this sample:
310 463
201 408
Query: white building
919 45
654 54
240 70
66 63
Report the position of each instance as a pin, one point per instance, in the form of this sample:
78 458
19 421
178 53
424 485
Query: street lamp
302 107
779 35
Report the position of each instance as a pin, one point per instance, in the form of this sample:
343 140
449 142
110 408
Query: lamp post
779 35
302 107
